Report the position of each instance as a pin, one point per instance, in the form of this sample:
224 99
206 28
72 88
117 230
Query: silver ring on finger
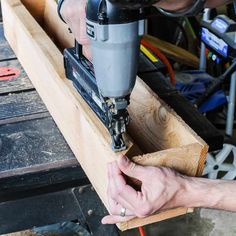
122 212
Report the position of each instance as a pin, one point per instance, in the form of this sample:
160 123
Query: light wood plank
155 218
83 131
185 159
173 52
36 9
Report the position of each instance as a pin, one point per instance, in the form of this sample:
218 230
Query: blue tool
195 86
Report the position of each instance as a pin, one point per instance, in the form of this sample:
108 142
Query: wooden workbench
29 137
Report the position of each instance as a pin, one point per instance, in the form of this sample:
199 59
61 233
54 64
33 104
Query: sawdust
23 233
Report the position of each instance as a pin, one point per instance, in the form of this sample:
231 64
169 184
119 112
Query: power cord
141 231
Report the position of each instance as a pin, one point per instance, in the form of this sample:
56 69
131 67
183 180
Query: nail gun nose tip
118 143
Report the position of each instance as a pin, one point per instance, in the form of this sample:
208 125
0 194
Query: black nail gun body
114 28
80 70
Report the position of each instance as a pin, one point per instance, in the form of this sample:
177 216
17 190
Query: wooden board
175 53
153 122
199 123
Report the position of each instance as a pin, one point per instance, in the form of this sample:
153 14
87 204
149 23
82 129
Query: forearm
199 192
216 3
180 5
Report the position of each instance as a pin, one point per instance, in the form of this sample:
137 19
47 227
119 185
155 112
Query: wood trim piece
164 215
175 53
36 9
185 159
154 125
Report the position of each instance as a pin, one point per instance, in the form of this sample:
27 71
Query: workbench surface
29 138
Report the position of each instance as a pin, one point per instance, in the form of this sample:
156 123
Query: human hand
73 13
161 188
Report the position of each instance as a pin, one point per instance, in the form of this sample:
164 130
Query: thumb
131 169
